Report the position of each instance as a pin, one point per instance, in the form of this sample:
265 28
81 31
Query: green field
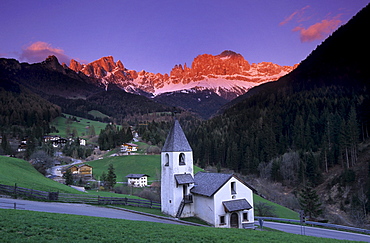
132 164
28 226
22 173
61 124
97 114
281 212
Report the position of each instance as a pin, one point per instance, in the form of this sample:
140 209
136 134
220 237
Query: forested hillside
296 129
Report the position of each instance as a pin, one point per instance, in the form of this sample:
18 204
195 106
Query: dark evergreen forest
317 115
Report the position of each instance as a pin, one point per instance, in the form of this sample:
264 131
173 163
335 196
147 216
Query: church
222 200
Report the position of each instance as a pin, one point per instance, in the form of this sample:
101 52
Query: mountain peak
53 63
228 53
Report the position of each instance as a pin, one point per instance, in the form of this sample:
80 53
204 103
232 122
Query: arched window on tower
167 160
182 159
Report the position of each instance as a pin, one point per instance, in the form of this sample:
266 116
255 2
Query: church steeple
176 173
176 140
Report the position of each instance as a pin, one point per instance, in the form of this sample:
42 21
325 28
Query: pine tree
68 177
110 180
92 131
5 145
128 136
310 202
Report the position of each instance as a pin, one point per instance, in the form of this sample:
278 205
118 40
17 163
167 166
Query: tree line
319 128
112 136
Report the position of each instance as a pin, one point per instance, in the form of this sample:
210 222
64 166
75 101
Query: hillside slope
297 129
74 92
16 171
138 164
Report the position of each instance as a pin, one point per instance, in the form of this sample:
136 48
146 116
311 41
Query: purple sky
155 35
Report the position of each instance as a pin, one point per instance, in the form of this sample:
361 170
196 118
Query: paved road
80 209
318 232
89 210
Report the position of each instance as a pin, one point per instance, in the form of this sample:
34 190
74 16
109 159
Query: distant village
79 169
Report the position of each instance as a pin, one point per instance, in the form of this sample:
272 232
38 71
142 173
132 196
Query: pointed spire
176 140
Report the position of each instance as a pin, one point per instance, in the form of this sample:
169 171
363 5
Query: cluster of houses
81 169
55 140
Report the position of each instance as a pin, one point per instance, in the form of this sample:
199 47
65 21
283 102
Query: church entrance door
234 220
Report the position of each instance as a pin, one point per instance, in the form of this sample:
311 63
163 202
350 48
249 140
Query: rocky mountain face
227 74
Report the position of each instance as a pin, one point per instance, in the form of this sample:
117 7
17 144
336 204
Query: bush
264 210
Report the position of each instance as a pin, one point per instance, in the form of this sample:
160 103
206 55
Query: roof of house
176 140
79 166
207 184
182 179
136 176
130 144
236 205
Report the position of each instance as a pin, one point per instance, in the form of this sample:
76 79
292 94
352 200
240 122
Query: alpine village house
222 200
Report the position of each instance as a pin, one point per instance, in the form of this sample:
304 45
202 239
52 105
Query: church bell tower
177 174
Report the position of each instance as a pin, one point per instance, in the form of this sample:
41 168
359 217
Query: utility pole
302 219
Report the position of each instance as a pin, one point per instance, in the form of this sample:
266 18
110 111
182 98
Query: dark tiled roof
176 140
182 179
136 175
207 184
236 205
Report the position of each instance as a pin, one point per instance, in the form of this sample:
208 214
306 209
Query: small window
233 188
182 159
245 216
222 220
167 160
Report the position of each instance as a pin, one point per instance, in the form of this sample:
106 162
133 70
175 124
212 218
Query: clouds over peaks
317 31
39 51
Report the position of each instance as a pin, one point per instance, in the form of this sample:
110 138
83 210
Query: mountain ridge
227 74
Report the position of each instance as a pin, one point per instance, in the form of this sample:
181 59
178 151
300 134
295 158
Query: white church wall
204 208
225 194
171 193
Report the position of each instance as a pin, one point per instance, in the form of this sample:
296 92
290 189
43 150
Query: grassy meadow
28 226
22 173
132 164
61 123
280 211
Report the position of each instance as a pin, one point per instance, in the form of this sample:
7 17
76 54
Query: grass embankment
133 164
61 123
280 211
28 226
22 173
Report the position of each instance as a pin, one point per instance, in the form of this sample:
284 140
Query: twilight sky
155 35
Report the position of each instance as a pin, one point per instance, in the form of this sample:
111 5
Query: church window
222 220
245 216
182 159
233 188
167 160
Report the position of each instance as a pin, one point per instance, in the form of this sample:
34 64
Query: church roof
207 184
176 140
236 205
182 179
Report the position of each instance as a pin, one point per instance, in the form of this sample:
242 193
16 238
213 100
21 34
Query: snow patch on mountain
214 84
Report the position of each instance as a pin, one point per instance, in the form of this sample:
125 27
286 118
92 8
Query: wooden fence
16 191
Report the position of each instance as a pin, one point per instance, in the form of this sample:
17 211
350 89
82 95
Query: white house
222 200
128 147
137 180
